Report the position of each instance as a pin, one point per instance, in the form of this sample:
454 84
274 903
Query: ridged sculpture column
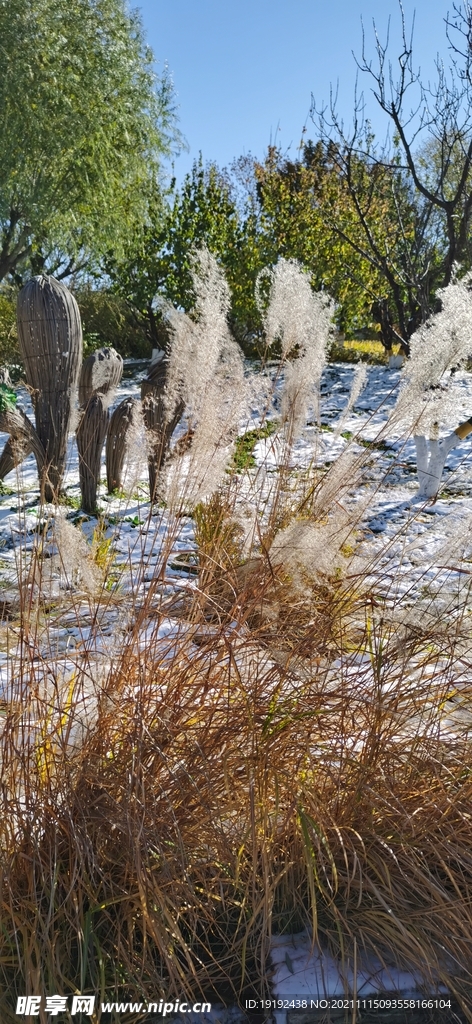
122 421
23 436
159 428
50 341
100 375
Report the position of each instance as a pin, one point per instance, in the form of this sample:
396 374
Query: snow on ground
301 971
418 555
408 542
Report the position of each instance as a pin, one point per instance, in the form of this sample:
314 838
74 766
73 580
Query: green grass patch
243 457
69 501
380 446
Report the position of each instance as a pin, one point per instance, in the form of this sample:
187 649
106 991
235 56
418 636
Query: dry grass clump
234 784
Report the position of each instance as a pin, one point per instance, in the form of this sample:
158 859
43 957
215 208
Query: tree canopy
157 263
307 212
84 123
428 163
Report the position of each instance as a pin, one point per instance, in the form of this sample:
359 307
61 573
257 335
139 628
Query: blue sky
244 70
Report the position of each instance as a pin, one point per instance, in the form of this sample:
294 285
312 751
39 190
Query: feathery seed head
427 395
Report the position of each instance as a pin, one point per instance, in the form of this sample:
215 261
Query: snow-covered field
417 555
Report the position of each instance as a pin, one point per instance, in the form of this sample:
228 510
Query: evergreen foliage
157 265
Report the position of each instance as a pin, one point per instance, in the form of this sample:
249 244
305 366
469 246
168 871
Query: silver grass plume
198 341
206 372
301 321
428 396
358 384
309 550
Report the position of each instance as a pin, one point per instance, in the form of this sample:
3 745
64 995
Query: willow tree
84 123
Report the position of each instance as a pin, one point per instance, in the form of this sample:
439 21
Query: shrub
9 351
107 321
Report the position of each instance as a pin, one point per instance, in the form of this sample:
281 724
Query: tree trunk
431 458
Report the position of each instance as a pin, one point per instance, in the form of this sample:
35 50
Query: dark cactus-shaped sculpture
18 446
159 424
23 437
122 421
50 340
99 378
100 374
16 450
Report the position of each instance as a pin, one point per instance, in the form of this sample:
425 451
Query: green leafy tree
84 123
347 219
158 262
203 214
